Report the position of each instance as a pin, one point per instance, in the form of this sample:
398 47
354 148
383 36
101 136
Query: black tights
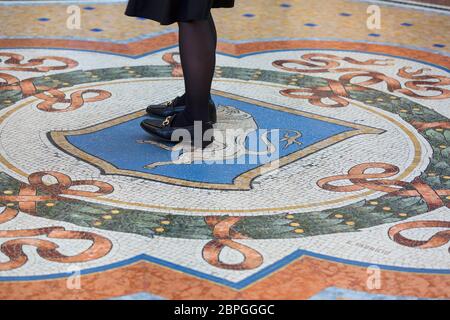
197 42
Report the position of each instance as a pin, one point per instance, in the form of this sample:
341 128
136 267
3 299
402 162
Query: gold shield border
243 181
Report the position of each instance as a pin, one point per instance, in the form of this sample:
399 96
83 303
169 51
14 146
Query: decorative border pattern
344 219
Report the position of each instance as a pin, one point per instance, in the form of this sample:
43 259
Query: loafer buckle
166 122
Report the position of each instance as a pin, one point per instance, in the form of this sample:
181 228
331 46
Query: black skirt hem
165 19
162 21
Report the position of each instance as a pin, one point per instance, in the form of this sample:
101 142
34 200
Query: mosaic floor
358 206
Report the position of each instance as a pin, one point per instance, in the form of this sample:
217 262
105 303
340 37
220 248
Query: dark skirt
169 11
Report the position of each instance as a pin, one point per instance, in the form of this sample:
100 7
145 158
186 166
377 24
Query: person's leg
197 42
213 30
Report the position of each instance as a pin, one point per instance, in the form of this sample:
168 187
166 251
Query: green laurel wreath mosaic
362 214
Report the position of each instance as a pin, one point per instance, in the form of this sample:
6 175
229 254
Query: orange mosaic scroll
27 199
46 249
169 57
437 240
358 176
338 90
224 235
51 96
422 126
15 63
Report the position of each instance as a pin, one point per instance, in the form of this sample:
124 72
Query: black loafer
175 106
164 130
166 109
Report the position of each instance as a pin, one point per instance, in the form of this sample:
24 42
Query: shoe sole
204 143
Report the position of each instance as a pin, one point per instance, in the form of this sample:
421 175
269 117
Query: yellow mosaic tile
262 19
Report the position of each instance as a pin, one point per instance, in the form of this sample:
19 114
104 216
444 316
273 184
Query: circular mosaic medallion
334 138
